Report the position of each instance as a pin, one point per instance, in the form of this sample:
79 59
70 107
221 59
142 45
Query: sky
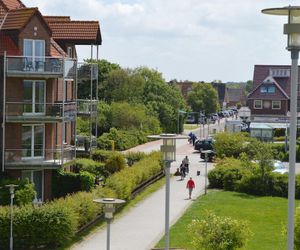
195 40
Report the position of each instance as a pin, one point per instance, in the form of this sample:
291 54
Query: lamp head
292 28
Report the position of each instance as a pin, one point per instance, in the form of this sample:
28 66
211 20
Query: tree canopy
203 97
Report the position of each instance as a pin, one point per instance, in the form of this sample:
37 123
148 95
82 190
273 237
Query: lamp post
12 195
109 208
169 155
206 152
292 29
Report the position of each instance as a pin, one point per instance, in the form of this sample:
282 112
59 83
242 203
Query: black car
210 156
205 144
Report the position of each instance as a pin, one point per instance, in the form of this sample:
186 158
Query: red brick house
38 83
270 97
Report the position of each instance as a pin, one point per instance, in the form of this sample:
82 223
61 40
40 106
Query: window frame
276 102
255 106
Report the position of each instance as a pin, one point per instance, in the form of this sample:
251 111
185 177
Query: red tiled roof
8 45
79 32
51 19
56 50
16 19
12 4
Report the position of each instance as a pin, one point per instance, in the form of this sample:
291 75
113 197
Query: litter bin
198 173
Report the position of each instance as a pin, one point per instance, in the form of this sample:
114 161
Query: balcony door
34 96
37 178
34 53
33 141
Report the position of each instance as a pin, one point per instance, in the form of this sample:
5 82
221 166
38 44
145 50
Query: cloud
191 39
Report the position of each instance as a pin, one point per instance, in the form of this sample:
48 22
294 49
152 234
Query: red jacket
190 184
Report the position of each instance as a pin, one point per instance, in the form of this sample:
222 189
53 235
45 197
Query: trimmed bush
93 167
115 163
25 195
125 181
133 157
100 155
64 183
87 181
218 233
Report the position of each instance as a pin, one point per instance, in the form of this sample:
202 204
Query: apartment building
38 91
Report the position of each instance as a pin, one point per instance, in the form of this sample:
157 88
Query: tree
218 233
249 86
104 68
203 97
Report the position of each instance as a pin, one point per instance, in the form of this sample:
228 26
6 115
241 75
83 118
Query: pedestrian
182 170
190 186
186 162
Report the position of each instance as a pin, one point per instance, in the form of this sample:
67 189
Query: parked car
204 144
190 120
279 167
210 155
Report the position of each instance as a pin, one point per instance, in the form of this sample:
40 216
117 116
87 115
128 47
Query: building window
276 104
32 141
280 72
34 96
70 51
267 89
257 104
34 53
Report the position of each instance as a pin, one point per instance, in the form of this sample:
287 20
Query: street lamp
206 152
169 155
109 208
292 29
12 195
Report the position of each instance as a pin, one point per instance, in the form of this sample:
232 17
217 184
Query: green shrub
125 181
216 177
218 233
100 155
25 195
297 229
49 225
87 181
93 167
230 144
64 183
133 157
231 178
115 163
24 192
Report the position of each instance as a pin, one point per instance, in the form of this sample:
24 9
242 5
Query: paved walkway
143 225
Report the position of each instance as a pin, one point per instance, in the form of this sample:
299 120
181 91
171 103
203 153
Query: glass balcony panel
70 68
44 157
87 107
51 109
20 65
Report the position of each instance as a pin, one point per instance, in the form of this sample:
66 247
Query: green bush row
121 139
231 175
125 181
55 223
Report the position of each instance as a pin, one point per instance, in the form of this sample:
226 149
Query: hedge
55 223
125 181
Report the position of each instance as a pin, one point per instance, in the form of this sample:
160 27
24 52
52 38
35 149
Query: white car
279 167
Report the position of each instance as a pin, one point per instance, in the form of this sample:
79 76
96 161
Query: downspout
63 115
91 100
4 111
97 97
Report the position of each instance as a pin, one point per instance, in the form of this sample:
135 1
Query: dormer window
267 89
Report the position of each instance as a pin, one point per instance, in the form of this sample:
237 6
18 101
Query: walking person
182 170
186 162
190 186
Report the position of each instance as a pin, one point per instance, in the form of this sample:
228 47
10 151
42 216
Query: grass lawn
267 217
190 126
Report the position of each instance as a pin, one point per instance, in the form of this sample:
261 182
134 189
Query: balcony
48 67
87 71
86 107
40 112
47 158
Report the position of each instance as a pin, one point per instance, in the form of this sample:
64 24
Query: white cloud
191 39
